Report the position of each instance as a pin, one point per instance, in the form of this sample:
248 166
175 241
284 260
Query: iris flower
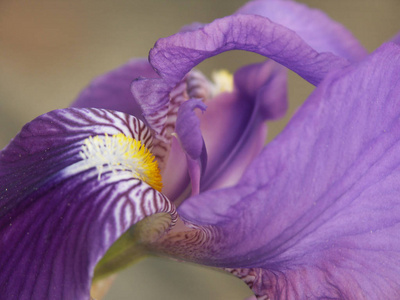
155 158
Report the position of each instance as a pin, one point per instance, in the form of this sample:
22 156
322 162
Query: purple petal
191 140
317 214
58 216
176 55
113 89
312 25
264 84
194 85
168 151
187 146
167 117
188 128
175 175
238 119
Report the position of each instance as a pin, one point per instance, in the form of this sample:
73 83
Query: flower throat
122 153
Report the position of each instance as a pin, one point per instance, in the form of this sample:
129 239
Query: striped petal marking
68 192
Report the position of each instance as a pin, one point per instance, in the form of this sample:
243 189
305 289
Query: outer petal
113 89
57 217
174 56
317 214
312 25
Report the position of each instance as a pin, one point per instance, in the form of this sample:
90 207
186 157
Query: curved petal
59 215
321 199
113 89
312 25
176 55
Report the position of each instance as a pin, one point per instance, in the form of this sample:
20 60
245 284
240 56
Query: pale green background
49 50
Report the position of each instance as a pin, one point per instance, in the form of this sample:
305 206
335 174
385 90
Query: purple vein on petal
322 198
58 219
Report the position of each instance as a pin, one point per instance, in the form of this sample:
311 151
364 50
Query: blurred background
50 49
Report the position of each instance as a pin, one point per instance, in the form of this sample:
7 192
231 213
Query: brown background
50 49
